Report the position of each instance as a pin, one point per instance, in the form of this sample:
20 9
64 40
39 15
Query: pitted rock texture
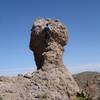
48 51
52 81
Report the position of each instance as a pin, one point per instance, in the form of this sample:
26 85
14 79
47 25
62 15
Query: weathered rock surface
89 82
52 81
48 51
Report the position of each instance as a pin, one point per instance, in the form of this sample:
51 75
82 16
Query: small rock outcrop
52 81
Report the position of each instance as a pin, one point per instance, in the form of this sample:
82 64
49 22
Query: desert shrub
83 95
42 96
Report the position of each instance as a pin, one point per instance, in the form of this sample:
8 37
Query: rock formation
52 81
48 51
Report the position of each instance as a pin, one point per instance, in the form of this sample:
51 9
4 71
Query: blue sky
82 18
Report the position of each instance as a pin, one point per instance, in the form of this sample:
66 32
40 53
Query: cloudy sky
81 17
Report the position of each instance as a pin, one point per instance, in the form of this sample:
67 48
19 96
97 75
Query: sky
81 17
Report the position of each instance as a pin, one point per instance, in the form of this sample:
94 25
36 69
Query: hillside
89 82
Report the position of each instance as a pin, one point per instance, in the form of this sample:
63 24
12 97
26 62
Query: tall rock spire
48 46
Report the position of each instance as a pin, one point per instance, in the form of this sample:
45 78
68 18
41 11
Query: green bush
42 96
83 95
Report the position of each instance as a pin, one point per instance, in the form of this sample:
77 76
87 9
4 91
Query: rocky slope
52 81
89 82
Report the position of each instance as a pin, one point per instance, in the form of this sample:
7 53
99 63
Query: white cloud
14 70
85 67
89 65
